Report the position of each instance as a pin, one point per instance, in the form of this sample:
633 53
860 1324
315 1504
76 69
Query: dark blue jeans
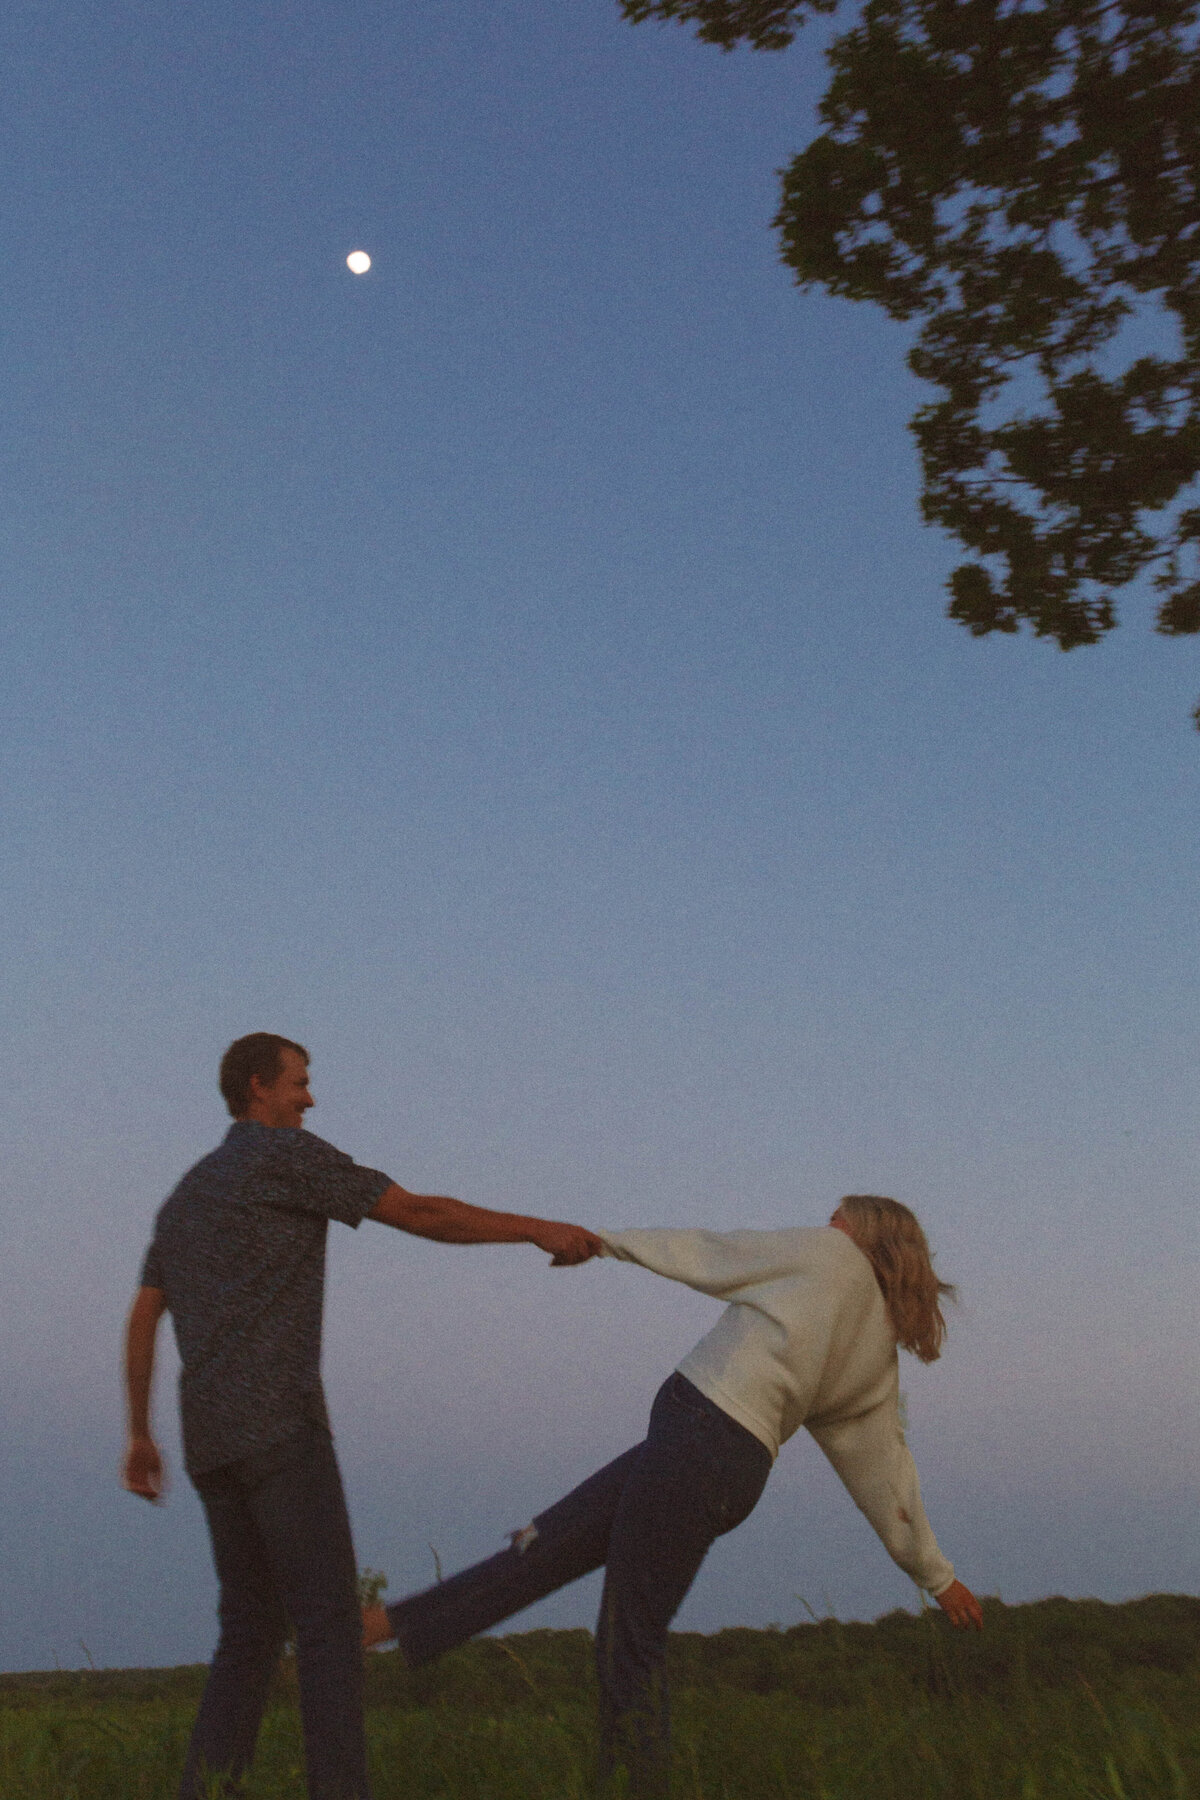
281 1543
649 1518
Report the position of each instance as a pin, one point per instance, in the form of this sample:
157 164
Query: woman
808 1337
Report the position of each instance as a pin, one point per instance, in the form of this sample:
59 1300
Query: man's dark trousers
283 1551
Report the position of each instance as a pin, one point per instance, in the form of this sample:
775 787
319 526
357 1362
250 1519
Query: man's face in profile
284 1101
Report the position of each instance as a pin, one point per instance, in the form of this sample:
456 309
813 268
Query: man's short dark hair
261 1054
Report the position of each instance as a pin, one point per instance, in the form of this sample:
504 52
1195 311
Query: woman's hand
960 1606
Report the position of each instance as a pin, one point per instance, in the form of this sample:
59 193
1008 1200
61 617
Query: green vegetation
1062 1700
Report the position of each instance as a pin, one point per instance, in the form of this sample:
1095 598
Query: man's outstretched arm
142 1471
450 1221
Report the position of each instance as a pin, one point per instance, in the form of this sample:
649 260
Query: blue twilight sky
521 675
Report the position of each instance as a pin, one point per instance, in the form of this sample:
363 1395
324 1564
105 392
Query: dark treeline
1148 1646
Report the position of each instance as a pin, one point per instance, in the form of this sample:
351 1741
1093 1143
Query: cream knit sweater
805 1340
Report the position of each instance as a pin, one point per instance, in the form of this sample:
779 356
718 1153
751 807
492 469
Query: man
238 1259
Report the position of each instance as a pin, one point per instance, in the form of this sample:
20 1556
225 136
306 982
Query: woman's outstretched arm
718 1263
876 1465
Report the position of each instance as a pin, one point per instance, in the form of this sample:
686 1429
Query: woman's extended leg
651 1516
568 1540
698 1474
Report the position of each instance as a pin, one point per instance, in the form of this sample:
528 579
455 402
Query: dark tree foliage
1022 179
764 24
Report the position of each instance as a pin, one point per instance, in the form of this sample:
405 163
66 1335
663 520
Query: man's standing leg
282 1546
300 1509
253 1628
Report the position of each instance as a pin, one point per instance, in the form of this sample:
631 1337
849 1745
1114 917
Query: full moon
358 262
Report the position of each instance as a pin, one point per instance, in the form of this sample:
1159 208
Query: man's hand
565 1244
960 1606
142 1472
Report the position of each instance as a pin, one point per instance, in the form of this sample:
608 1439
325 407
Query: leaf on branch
976 604
1180 615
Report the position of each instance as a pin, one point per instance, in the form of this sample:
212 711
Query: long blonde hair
890 1238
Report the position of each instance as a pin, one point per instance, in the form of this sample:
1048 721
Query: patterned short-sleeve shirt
239 1252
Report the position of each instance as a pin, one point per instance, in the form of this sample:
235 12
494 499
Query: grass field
1060 1700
